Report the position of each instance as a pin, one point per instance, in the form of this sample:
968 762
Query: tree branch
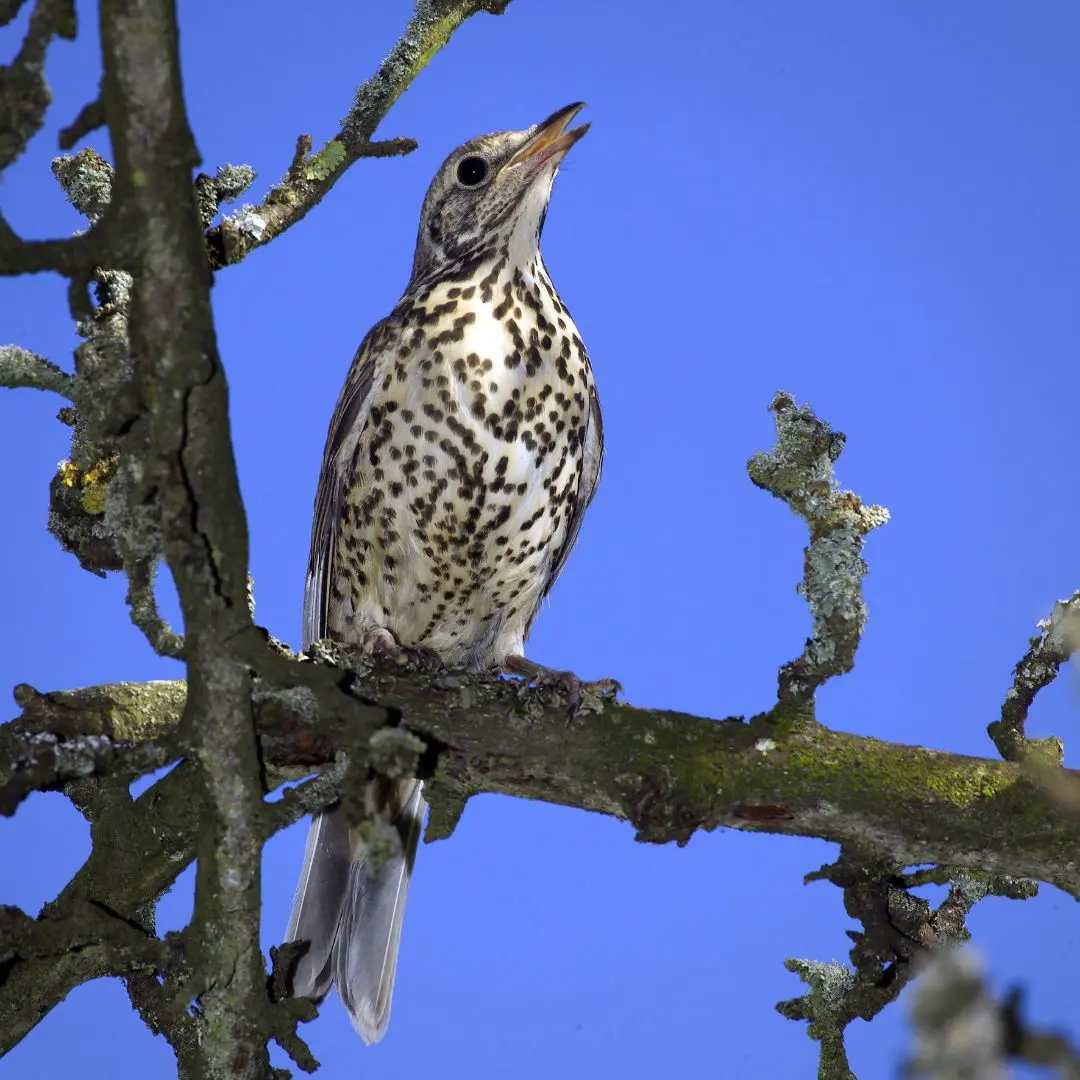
24 95
677 773
1057 640
188 470
799 470
310 177
899 931
20 367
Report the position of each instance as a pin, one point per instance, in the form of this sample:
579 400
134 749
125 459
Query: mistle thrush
463 451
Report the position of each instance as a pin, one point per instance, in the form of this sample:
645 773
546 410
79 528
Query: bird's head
493 191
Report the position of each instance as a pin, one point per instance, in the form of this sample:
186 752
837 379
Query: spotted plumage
464 449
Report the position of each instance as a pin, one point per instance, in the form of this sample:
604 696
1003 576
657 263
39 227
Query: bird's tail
352 917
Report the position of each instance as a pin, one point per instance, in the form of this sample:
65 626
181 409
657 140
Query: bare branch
893 804
9 9
1037 1047
20 367
24 95
489 734
827 1007
309 798
91 117
799 470
43 759
899 930
310 177
144 610
1057 640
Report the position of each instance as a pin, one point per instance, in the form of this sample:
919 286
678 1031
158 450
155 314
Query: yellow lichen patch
68 473
92 483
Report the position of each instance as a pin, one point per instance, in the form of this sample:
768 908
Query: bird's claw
380 643
565 683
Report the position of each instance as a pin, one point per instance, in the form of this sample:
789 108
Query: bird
464 449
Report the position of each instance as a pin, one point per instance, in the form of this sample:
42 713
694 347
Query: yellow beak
552 138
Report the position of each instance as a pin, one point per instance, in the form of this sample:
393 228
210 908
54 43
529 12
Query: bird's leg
566 682
379 642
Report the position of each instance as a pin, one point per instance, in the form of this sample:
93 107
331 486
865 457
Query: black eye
472 171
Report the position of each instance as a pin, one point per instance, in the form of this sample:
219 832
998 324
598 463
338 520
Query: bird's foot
380 643
565 682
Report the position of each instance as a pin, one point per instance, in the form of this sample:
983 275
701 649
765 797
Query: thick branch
188 468
672 774
675 773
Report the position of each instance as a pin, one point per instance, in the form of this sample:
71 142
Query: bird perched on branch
465 446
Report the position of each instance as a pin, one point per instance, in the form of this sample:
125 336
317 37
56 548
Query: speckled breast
468 469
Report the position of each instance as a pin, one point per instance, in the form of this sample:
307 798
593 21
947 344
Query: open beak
551 140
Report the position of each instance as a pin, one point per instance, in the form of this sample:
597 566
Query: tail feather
316 911
366 952
351 917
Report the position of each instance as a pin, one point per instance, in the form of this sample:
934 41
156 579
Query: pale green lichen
326 162
226 185
247 221
395 752
86 179
826 1007
22 368
430 28
377 841
232 181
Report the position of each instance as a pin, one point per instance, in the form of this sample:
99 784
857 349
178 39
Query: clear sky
871 205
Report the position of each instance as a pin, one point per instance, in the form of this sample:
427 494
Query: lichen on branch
311 176
799 471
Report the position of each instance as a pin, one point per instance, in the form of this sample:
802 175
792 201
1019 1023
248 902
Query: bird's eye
472 171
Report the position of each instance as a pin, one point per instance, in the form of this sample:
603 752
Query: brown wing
590 480
350 416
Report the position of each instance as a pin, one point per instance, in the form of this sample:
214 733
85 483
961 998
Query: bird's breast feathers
467 469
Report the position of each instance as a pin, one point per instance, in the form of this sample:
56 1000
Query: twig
1057 640
898 931
307 798
91 117
20 367
799 471
144 610
1036 1047
25 95
827 1005
310 177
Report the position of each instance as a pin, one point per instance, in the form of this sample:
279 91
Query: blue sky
870 205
